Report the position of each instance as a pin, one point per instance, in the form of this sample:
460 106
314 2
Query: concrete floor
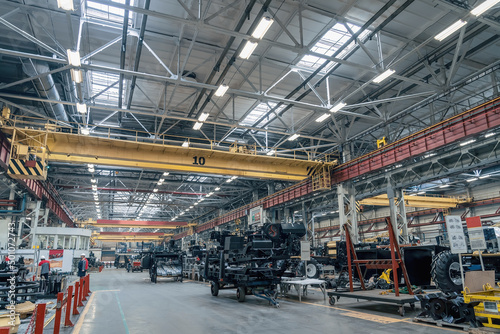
129 303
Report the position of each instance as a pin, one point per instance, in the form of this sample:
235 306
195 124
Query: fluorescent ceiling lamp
322 118
472 180
383 76
211 193
229 180
450 30
221 90
478 10
91 169
338 106
165 173
161 180
421 193
191 207
272 152
294 136
90 165
467 142
93 180
484 176
76 75
234 177
94 187
74 58
81 108
201 200
247 50
195 203
444 186
263 26
65 4
197 125
208 195
217 189
203 117
85 131
185 144
490 133
155 190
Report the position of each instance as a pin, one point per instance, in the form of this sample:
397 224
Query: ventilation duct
46 87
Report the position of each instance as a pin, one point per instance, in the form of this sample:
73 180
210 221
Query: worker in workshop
44 267
82 266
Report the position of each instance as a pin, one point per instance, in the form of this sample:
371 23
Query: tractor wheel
214 288
445 272
240 294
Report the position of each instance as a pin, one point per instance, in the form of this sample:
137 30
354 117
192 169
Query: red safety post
88 285
59 306
84 289
40 318
67 320
5 330
75 304
80 293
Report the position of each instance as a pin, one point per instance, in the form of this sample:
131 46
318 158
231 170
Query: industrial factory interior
249 166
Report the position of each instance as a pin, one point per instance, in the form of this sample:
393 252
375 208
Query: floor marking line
49 320
122 314
432 326
79 324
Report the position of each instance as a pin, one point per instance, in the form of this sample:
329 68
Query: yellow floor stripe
79 324
49 320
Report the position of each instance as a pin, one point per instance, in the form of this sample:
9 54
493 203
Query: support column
398 212
347 209
35 216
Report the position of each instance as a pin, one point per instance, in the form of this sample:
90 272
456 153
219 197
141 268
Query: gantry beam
136 224
75 148
130 236
430 202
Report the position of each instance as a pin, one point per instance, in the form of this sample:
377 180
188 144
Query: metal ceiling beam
135 224
433 202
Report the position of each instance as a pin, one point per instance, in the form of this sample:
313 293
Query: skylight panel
259 112
100 87
330 43
106 12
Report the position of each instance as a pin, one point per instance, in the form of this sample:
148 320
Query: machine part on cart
446 272
449 308
165 261
214 288
241 293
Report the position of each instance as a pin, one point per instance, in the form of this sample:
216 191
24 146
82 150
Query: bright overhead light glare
94 187
484 176
191 207
208 195
338 106
211 193
76 75
263 26
450 30
217 189
229 180
472 179
221 90
195 203
81 108
294 136
165 173
65 4
161 180
93 180
490 133
421 193
467 142
201 200
478 10
271 152
248 50
85 131
185 144
197 126
73 58
203 117
322 118
444 186
234 177
155 190
383 76
91 169
90 165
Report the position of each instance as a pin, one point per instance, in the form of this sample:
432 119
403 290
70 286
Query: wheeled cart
262 289
374 295
166 264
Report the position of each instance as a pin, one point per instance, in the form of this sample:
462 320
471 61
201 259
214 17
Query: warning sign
476 234
456 234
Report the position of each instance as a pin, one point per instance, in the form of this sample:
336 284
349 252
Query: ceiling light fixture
263 26
76 75
197 126
195 203
73 58
165 173
484 176
185 144
271 152
322 118
191 207
93 180
490 133
478 10
293 137
383 76
472 179
444 186
203 117
467 142
221 90
248 50
81 108
217 189
450 30
338 106
421 193
85 131
155 190
65 4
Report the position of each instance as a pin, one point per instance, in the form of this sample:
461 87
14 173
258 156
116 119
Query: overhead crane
432 202
64 146
130 236
169 225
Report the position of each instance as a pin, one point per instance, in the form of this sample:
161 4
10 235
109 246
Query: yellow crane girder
75 148
431 202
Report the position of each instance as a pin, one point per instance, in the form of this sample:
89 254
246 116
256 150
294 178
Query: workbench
301 286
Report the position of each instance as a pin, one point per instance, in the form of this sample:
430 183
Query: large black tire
240 294
445 272
214 288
